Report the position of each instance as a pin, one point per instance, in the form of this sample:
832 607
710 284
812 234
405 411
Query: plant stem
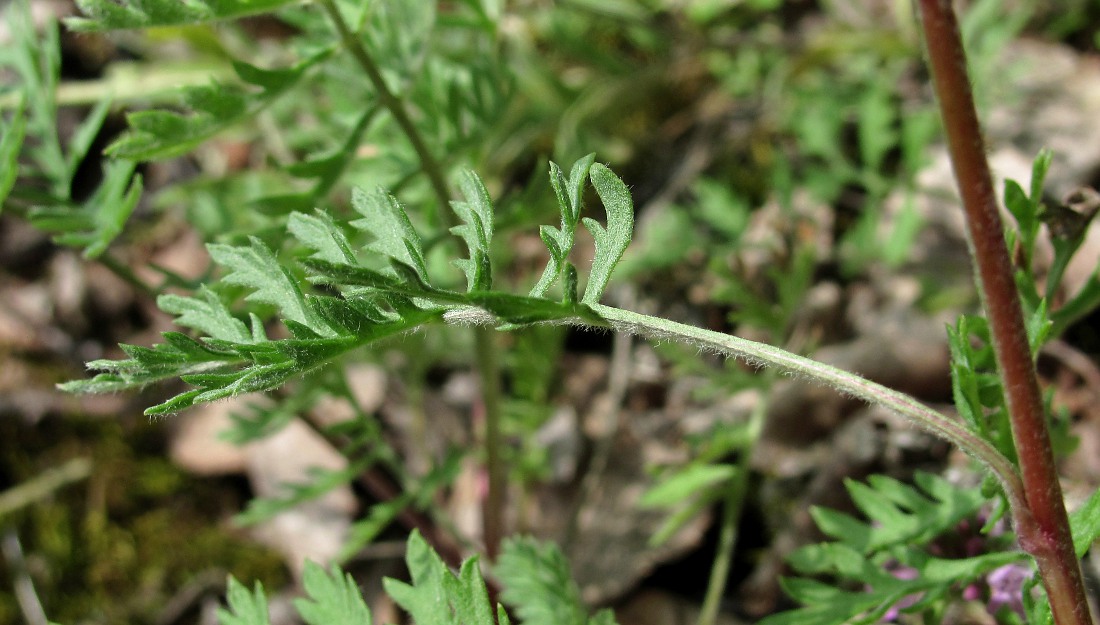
732 504
493 515
396 107
484 338
1048 539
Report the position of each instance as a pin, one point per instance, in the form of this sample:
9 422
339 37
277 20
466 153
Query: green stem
489 370
732 504
396 107
1047 536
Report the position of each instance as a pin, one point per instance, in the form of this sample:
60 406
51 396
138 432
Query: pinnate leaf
395 238
256 267
334 598
559 241
477 231
537 583
207 314
245 608
611 241
159 134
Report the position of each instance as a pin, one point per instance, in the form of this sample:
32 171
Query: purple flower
1006 586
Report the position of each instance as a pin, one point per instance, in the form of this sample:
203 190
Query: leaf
1084 522
612 241
385 218
320 233
207 314
334 598
160 134
245 608
101 218
559 241
119 14
536 582
692 480
425 598
477 231
256 267
10 144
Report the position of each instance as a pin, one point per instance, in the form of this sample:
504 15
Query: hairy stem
762 354
1048 538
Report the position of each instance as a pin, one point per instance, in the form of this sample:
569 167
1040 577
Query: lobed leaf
477 231
559 241
334 598
101 218
207 314
245 608
395 238
537 584
611 241
160 134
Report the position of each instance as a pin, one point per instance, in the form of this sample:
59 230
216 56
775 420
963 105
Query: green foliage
11 141
611 241
438 597
160 134
334 598
902 521
111 15
537 584
245 608
233 358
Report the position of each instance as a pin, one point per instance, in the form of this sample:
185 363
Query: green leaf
425 599
385 218
320 233
612 241
691 480
536 582
559 241
119 14
206 313
160 134
1084 522
334 598
10 144
256 267
477 231
101 218
245 608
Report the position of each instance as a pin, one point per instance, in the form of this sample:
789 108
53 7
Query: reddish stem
1046 536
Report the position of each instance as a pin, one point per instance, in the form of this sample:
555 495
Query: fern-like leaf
207 314
159 134
438 597
245 608
611 241
868 558
395 238
538 584
114 14
101 218
559 241
256 267
477 231
334 598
